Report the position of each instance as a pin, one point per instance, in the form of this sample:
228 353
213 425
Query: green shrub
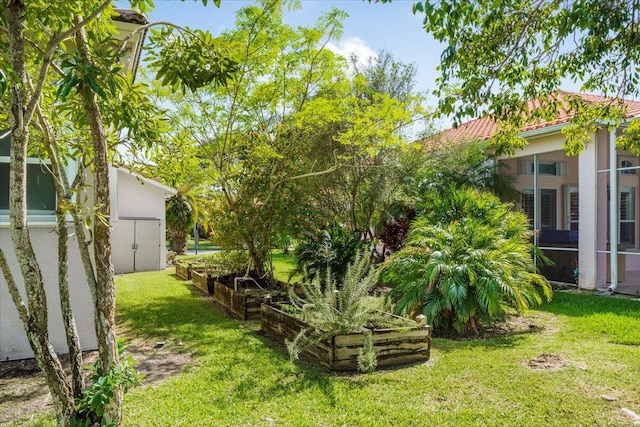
330 311
469 260
331 250
367 360
227 262
91 405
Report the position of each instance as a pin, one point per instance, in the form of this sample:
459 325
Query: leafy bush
180 220
394 234
469 260
329 250
228 262
330 311
91 405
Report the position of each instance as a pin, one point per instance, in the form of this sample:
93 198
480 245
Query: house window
572 206
625 166
627 216
545 168
41 192
548 207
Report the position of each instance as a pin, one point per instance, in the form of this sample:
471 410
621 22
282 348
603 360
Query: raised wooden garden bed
203 281
245 303
393 347
184 269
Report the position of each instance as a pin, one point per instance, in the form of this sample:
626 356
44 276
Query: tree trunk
63 192
35 317
179 243
105 286
256 257
71 333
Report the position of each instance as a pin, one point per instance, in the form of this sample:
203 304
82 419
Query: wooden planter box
203 281
393 347
184 269
244 304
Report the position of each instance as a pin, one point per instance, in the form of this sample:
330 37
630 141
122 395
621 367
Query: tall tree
252 133
376 159
63 89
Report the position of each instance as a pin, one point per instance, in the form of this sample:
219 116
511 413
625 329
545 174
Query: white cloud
350 46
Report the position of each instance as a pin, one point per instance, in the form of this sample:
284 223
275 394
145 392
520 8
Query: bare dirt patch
512 325
547 361
23 391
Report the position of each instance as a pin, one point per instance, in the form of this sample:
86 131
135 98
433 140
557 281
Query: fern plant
474 264
331 310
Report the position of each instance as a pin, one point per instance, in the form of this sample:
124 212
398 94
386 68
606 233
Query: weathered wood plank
395 348
182 271
199 280
392 347
242 304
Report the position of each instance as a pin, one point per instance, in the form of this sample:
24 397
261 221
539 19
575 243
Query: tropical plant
327 251
181 213
469 260
463 165
330 311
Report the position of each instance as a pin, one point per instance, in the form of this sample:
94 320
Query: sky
370 28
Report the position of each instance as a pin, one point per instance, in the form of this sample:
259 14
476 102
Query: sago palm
463 271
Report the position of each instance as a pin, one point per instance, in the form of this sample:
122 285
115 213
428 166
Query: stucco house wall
13 340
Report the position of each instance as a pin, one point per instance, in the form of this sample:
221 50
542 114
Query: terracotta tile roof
484 128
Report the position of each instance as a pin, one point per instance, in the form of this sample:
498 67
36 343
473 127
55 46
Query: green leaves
91 406
499 55
469 260
87 78
189 59
3 83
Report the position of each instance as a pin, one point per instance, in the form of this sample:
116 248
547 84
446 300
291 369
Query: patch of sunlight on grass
283 265
587 315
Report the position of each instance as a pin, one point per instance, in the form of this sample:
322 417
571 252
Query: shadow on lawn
509 340
292 379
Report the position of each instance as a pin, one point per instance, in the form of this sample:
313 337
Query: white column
536 202
613 209
587 221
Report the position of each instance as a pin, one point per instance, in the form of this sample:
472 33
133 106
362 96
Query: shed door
121 245
146 247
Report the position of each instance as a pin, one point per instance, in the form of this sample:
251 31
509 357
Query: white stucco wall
13 340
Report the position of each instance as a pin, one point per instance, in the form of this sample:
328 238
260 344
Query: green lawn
241 378
283 264
203 245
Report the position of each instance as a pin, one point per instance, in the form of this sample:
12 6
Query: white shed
138 220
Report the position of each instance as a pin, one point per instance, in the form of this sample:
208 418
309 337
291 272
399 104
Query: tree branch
48 57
